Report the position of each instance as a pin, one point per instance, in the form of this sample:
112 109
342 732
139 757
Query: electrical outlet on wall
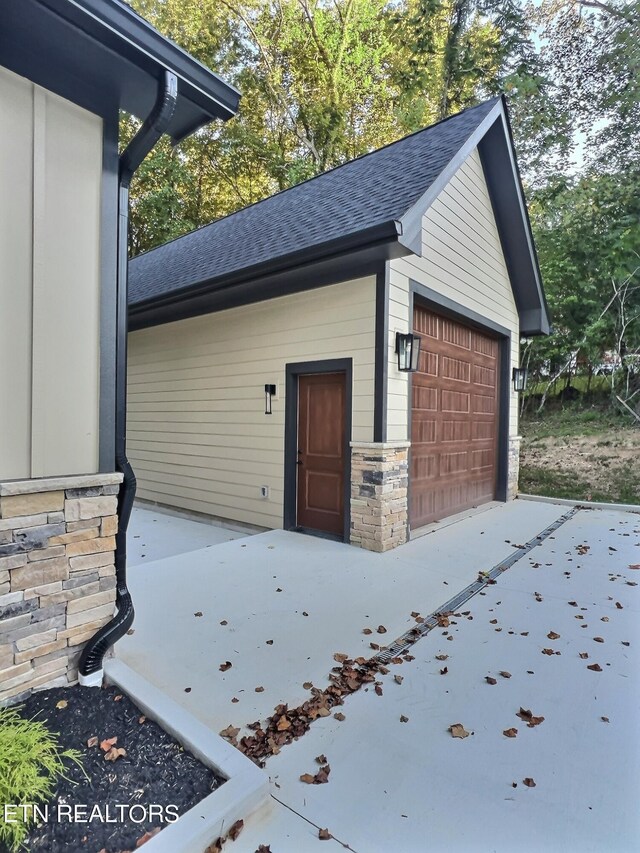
264 491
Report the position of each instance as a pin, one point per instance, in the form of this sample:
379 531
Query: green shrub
30 763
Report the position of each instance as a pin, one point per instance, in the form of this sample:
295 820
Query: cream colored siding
198 437
461 259
16 222
51 154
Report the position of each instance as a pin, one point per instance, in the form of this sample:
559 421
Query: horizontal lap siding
462 259
198 437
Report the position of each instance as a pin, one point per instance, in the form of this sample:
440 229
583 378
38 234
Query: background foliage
326 80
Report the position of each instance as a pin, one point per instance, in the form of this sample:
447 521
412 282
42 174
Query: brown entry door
454 418
321 452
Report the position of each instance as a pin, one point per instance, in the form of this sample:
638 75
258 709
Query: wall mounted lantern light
269 392
408 351
519 375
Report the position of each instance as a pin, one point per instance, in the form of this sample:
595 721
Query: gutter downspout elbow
91 660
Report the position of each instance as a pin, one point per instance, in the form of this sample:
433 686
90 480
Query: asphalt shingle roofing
374 189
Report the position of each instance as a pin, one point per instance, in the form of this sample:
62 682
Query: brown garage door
454 418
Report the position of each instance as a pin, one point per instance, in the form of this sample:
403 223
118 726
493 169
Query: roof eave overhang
351 256
494 141
103 56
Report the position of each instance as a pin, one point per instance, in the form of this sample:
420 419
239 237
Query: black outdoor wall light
269 392
408 352
519 375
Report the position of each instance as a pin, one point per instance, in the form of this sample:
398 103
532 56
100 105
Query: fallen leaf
324 835
225 666
635 566
198 613
187 690
444 671
236 829
381 629
224 622
378 689
625 642
598 640
61 704
529 782
307 685
490 680
230 732
604 619
269 642
415 613
367 631
458 730
118 698
93 741
404 719
605 719
493 621
340 717
106 744
341 658
442 657
398 679
114 753
548 652
283 724
259 690
553 636
374 646
584 655
595 667
573 603
529 718
320 778
263 848
505 674
321 759
235 699
619 606
510 732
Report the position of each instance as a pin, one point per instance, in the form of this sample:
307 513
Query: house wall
198 437
462 259
50 182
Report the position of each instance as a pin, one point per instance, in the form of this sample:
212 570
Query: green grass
571 421
566 484
30 763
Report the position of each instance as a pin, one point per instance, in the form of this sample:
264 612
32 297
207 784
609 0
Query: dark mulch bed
155 770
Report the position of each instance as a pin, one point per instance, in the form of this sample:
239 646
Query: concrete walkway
409 786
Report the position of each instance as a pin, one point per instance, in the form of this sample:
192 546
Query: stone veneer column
514 466
379 494
57 576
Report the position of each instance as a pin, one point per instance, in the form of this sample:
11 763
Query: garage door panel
454 418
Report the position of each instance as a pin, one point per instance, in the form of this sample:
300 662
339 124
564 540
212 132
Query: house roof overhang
103 56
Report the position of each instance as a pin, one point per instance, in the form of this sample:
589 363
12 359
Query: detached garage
273 377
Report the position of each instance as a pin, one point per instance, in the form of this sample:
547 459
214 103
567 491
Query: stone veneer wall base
57 576
379 494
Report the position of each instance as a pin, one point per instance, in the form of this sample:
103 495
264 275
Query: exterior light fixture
408 351
519 375
269 392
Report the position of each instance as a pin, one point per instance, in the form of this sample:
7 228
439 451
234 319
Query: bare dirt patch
593 467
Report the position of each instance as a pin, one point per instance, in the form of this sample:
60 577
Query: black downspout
90 666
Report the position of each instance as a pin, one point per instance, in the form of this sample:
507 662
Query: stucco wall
198 437
462 259
50 184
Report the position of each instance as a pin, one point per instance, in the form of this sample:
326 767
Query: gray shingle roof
370 191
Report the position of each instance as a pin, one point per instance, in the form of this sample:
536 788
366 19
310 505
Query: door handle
298 460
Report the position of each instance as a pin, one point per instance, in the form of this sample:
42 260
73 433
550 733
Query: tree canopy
326 80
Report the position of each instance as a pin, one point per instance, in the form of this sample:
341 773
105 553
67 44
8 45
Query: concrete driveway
409 785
